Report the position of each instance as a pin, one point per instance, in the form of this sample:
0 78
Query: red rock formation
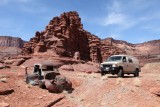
94 48
108 49
64 36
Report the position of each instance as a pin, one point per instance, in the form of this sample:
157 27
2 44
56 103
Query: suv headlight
101 65
114 65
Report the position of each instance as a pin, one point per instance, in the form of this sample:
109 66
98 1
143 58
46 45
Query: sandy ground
90 90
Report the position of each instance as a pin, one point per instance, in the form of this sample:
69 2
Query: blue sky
134 21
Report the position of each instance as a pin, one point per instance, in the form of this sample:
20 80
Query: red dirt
90 90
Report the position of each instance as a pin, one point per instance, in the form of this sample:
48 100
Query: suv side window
130 60
124 59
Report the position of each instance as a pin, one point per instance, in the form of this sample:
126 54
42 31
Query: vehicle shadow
126 76
71 90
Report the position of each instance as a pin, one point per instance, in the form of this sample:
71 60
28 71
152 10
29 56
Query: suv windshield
115 58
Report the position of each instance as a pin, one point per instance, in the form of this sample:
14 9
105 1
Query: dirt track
107 91
90 90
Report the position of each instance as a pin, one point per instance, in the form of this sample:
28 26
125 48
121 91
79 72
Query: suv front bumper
110 70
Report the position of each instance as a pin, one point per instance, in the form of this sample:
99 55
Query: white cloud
114 36
126 14
98 34
115 7
114 18
122 21
117 17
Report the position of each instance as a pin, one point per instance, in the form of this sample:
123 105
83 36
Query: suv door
131 65
125 64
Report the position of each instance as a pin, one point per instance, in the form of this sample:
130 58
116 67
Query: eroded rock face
108 49
8 41
64 36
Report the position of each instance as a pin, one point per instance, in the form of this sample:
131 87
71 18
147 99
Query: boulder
2 66
9 61
18 62
62 83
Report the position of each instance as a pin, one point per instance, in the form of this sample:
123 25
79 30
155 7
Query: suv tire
102 73
136 73
42 85
120 73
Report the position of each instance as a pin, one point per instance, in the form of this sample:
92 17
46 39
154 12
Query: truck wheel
102 73
136 74
42 85
120 73
27 80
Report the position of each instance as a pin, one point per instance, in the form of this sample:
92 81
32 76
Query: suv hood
110 62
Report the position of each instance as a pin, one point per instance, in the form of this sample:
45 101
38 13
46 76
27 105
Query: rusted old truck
47 76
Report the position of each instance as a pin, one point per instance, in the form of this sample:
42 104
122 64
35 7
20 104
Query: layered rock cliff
7 41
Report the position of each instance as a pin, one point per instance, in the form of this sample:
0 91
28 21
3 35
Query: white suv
120 65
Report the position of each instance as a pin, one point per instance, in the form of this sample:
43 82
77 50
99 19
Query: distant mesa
10 46
8 41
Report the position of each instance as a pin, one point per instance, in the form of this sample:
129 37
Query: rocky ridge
146 52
